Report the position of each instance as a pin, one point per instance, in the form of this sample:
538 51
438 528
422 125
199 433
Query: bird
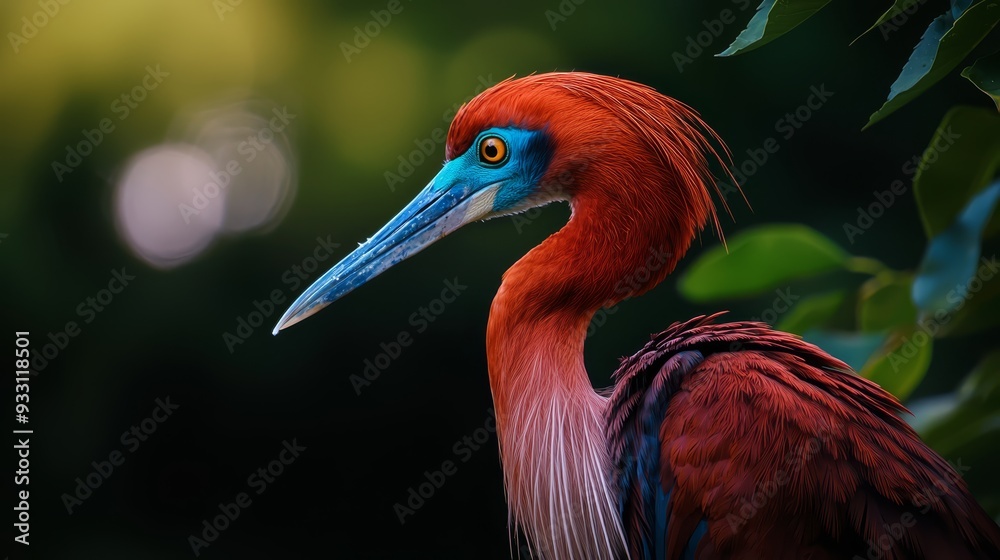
717 440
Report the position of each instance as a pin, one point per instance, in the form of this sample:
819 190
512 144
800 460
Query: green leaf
945 43
760 259
985 74
964 427
983 384
961 159
928 411
884 303
812 312
902 363
898 7
852 348
951 260
773 19
973 410
977 310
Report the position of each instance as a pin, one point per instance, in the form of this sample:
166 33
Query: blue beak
442 206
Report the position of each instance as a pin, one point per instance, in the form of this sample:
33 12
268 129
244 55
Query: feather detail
782 452
719 440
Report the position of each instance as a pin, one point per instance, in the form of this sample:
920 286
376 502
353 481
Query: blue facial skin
528 155
438 209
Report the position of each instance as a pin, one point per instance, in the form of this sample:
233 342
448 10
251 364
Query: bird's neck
539 318
551 422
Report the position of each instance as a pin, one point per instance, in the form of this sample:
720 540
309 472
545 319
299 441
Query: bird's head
615 147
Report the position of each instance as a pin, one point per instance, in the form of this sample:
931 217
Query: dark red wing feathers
784 453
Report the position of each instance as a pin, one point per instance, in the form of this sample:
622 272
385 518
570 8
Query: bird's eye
492 150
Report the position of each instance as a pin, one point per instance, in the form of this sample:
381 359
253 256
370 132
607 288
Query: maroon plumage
785 453
719 441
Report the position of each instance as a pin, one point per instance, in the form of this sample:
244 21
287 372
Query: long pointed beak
438 210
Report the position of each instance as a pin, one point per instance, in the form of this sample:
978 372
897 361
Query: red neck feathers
634 166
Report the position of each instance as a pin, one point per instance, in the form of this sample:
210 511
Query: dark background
163 334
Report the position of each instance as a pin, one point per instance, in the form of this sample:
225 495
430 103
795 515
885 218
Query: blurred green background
353 110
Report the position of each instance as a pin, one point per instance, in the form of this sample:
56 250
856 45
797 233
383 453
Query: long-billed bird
718 440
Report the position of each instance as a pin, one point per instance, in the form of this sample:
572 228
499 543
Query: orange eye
492 150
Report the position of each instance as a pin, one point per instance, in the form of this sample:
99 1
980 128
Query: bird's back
738 441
